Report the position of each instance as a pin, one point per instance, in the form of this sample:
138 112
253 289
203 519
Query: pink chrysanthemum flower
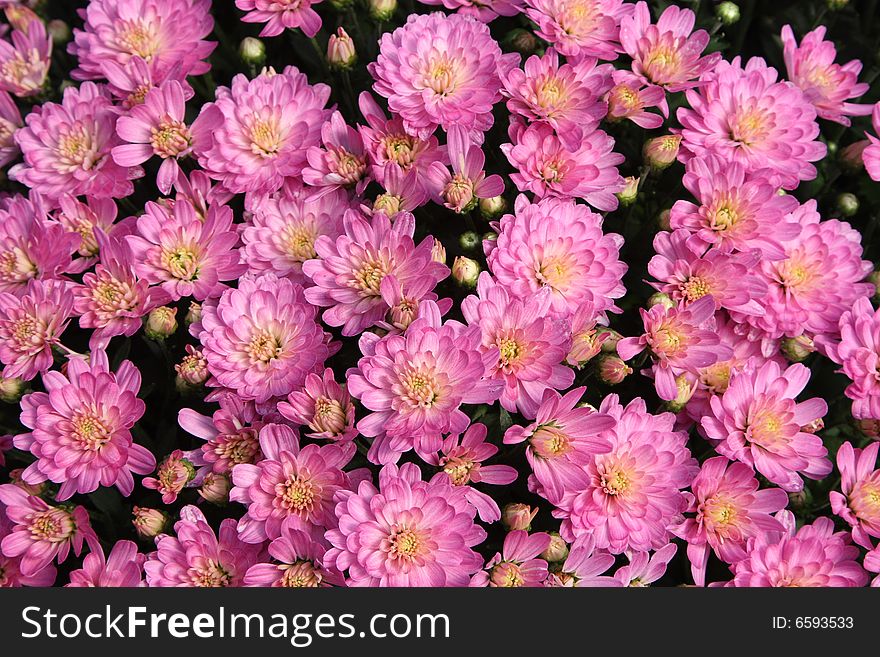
729 509
112 300
679 340
300 563
198 557
558 244
858 501
322 405
342 162
859 354
131 82
587 336
40 532
10 570
667 54
291 484
173 475
406 532
24 63
871 154
167 33
812 556
123 567
157 127
404 192
687 277
87 219
758 422
81 428
415 383
517 565
568 97
583 568
483 10
531 345
182 253
563 437
262 130
734 210
632 495
66 147
10 121
547 168
825 84
628 99
441 70
31 325
461 190
261 339
745 115
349 270
461 458
280 15
820 277
644 568
580 28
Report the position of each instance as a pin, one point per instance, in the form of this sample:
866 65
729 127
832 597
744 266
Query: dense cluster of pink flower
364 412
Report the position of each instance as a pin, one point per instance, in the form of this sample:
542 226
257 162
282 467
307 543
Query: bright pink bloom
568 97
81 428
859 500
441 70
197 557
261 339
174 474
644 569
122 568
859 354
415 383
157 127
342 162
558 244
10 570
167 33
10 121
758 422
825 84
583 568
41 533
871 154
686 276
87 219
679 341
31 325
563 438
262 130
185 255
300 563
729 509
531 345
280 15
66 147
132 81
517 564
322 405
406 532
404 192
631 496
461 190
580 28
461 458
547 168
745 115
24 63
734 210
628 99
349 271
812 556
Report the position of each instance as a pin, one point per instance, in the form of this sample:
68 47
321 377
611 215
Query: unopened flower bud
215 488
585 345
192 371
609 338
814 427
459 195
11 389
557 550
492 208
161 323
851 156
252 51
847 204
727 12
797 349
382 10
469 241
341 54
685 389
800 499
662 299
148 523
870 428
438 252
465 271
59 31
612 369
630 191
521 41
516 516
194 314
388 204
663 220
660 152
